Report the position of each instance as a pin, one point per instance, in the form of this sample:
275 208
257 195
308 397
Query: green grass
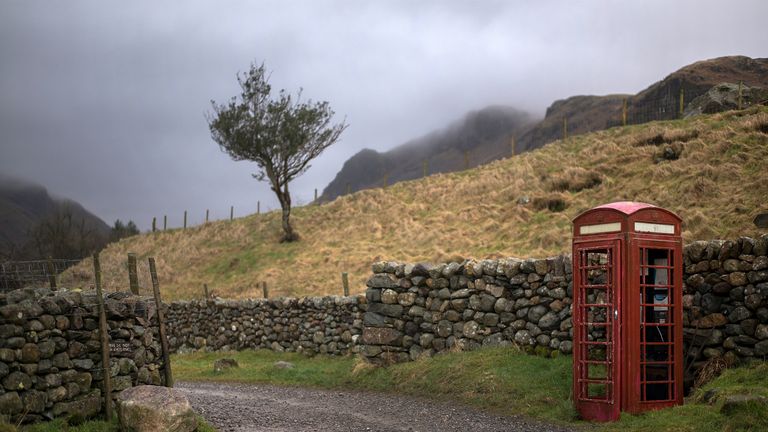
257 367
500 380
702 417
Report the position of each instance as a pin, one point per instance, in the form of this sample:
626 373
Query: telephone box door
655 348
597 301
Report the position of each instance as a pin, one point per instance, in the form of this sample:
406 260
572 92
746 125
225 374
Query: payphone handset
660 296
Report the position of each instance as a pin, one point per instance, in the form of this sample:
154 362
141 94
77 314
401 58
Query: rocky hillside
660 101
486 135
23 205
709 169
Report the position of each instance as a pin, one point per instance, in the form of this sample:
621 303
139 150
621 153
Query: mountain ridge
583 113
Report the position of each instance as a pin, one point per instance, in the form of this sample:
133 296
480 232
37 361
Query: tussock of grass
501 380
717 184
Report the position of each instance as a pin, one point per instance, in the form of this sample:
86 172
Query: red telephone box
627 310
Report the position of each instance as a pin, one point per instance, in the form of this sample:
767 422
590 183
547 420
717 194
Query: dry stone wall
422 309
726 299
314 325
50 354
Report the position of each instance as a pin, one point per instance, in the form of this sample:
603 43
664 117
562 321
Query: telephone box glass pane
656 324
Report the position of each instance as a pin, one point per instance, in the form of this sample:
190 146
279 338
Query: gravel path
246 407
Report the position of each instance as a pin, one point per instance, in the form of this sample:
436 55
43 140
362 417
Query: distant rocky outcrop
660 101
724 97
486 134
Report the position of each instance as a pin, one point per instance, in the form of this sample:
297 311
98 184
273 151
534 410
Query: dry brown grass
712 369
717 185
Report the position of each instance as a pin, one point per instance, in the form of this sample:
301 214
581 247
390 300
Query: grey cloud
104 102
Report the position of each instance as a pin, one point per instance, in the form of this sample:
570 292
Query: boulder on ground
154 409
283 365
221 365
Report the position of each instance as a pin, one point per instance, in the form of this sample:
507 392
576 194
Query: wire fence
42 273
668 102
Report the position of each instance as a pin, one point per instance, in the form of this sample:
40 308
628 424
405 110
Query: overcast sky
104 102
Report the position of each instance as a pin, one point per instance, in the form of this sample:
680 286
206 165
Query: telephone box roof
626 207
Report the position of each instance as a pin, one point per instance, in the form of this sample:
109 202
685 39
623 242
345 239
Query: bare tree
282 134
61 234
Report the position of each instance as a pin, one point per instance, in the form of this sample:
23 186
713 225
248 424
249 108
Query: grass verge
501 380
61 425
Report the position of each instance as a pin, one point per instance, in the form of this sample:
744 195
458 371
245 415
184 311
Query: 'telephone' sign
654 228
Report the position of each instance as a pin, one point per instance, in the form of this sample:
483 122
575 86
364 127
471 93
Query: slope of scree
708 169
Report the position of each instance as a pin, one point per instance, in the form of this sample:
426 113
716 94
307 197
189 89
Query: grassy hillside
521 206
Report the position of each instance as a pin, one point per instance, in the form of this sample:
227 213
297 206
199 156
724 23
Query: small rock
283 365
389 296
710 321
17 381
224 364
738 402
10 403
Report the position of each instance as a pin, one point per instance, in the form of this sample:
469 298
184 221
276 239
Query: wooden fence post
315 194
154 224
345 283
133 275
104 339
165 222
565 128
258 207
51 273
185 219
205 291
741 84
206 215
624 113
682 101
265 290
231 213
161 323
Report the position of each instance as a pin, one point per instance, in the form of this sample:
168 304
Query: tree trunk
284 197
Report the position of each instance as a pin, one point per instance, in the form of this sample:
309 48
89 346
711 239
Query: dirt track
243 407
